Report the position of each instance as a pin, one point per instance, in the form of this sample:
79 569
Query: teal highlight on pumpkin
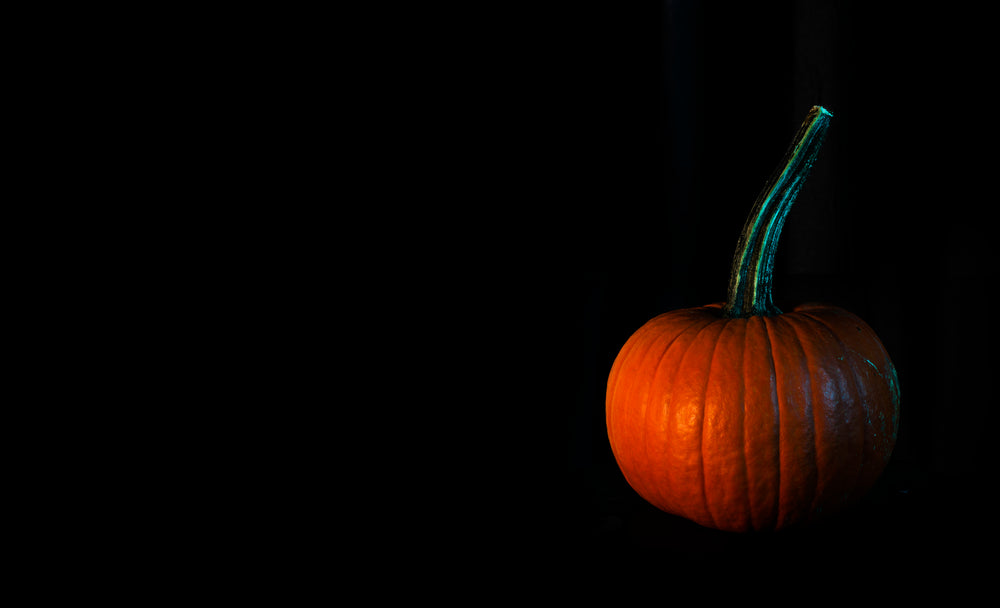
753 264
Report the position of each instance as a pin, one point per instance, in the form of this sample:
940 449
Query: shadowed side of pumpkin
740 417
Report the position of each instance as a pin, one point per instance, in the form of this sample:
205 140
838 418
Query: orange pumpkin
740 417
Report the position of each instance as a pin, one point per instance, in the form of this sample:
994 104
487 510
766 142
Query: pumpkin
741 417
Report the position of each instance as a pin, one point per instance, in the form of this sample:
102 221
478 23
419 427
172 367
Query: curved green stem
750 278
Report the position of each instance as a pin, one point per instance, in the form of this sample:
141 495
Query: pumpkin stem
753 264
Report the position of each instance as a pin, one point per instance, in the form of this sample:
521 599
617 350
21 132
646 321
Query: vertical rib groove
812 409
777 413
701 447
687 505
743 423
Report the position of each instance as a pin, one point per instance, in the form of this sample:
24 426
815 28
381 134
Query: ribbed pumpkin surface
752 423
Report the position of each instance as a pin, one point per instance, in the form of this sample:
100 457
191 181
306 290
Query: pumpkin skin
752 423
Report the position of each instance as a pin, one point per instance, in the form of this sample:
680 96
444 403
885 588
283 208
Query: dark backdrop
643 132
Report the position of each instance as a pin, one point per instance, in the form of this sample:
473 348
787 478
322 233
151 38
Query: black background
640 134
